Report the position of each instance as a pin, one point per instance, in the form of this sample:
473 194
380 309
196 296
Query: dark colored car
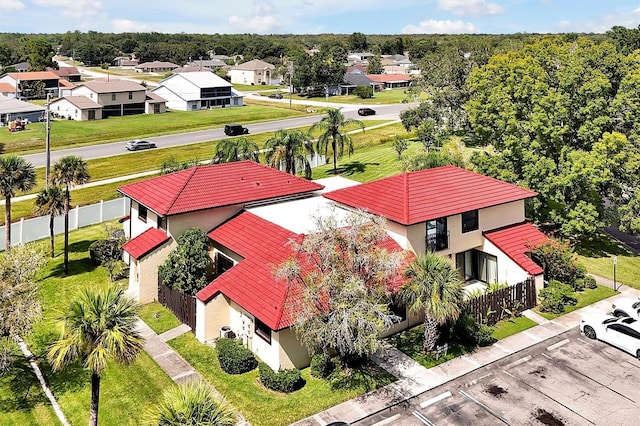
137 144
366 111
235 129
276 96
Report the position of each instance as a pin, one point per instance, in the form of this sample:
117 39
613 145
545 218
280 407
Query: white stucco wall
508 270
204 219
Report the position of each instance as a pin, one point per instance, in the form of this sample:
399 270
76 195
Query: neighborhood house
251 212
189 91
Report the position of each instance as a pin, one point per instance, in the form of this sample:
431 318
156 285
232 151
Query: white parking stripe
388 420
435 399
557 345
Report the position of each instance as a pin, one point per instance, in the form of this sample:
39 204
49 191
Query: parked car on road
276 96
626 307
366 111
138 144
235 129
623 332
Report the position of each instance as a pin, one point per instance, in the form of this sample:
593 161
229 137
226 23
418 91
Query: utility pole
290 82
47 140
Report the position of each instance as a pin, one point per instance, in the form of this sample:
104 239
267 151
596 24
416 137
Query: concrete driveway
565 380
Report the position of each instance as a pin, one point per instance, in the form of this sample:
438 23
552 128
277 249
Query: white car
623 332
626 307
137 144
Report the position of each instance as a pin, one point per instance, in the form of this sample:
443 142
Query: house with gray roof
156 66
12 109
252 72
191 91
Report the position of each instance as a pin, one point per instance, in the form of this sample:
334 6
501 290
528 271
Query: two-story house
252 72
251 212
190 91
26 84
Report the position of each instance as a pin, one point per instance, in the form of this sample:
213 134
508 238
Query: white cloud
470 7
602 24
254 24
128 26
73 8
432 26
11 5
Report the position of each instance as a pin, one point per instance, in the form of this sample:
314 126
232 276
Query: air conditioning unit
225 332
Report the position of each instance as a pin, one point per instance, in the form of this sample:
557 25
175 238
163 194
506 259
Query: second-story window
470 221
130 95
113 96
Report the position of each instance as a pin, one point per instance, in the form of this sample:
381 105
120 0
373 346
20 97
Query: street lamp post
290 82
615 262
47 140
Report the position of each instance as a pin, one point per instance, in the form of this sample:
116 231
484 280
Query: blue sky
318 16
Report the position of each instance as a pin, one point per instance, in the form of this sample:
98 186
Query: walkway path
414 379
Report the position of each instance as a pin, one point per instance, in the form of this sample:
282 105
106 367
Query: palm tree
289 147
236 149
191 404
50 201
435 289
99 326
68 171
16 174
331 125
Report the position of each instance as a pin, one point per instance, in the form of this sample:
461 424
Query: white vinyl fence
26 231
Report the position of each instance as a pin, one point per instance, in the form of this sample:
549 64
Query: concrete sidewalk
414 379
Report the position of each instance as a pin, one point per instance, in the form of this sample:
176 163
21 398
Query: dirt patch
539 372
547 418
495 390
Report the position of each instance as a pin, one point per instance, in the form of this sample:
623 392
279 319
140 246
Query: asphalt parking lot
565 380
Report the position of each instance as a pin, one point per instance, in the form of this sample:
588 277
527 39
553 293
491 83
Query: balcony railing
436 242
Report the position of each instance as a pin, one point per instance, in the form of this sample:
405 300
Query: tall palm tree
16 174
50 201
99 326
289 147
236 149
68 171
191 404
331 126
435 289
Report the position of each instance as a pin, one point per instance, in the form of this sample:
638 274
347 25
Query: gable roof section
251 283
145 243
81 102
389 78
113 85
516 241
33 76
7 88
255 64
202 79
415 197
15 106
218 185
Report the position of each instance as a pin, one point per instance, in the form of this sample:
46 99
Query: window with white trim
262 330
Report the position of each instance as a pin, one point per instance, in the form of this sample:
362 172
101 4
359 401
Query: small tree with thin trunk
16 174
68 172
435 289
97 327
332 126
51 202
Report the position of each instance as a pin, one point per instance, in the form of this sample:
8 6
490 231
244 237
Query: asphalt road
388 112
566 380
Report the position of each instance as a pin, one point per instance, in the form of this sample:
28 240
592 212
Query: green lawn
159 318
508 327
585 298
394 96
410 342
263 407
125 391
597 257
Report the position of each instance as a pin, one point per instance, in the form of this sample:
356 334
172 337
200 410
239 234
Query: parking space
566 380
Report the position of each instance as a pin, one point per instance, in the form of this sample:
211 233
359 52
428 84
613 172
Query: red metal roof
145 243
415 197
251 282
205 187
516 241
388 78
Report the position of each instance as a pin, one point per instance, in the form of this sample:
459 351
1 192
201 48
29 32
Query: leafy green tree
171 165
375 65
192 404
68 171
236 149
428 160
435 289
399 145
50 202
559 261
290 147
358 42
20 305
97 327
16 174
332 126
40 54
344 276
186 267
363 92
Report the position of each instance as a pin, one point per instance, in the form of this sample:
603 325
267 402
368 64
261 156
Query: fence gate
181 304
490 308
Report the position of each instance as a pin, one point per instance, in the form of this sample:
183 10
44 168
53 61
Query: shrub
321 365
555 297
559 262
467 331
578 284
282 381
235 358
186 266
590 281
103 251
363 92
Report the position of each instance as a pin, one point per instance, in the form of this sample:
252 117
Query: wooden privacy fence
181 304
491 307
